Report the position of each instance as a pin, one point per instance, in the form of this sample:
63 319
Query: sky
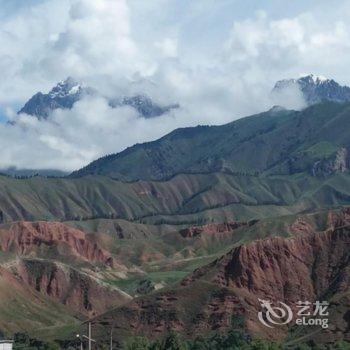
218 59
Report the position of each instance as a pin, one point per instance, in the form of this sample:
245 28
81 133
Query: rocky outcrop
337 219
61 263
79 291
297 260
338 163
314 89
23 308
309 266
143 105
301 226
214 228
41 238
191 310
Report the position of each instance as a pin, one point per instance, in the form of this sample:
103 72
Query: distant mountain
315 140
67 92
63 96
315 89
12 171
144 105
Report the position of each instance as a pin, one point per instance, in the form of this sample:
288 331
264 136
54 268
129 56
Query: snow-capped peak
67 92
316 79
313 88
65 88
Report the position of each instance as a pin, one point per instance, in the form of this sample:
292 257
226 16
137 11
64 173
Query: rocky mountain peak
67 92
66 87
314 89
62 96
314 79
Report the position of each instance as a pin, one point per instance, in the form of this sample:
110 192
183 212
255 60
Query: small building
6 344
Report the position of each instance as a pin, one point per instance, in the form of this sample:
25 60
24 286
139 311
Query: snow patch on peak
313 88
67 92
74 89
320 78
65 88
316 79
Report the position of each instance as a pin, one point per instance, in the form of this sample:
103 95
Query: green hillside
184 199
277 142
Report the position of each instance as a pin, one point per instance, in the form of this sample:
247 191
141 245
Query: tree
138 343
342 345
173 342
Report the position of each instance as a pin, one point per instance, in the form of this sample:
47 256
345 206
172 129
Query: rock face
314 89
253 267
22 307
213 229
62 96
37 238
309 266
143 105
339 219
80 292
66 93
338 163
55 261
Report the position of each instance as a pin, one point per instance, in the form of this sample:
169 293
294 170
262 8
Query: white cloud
96 40
23 39
168 47
72 138
290 45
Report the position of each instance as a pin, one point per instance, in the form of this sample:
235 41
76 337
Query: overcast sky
217 59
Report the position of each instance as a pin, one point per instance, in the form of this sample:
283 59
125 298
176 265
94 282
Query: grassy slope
260 143
184 199
22 309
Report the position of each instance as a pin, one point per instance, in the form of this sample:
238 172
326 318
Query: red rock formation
339 218
28 238
80 292
301 226
213 228
305 267
310 267
50 273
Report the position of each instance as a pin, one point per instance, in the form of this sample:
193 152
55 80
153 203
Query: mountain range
66 93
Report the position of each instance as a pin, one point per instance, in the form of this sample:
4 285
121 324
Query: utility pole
88 337
81 341
111 339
